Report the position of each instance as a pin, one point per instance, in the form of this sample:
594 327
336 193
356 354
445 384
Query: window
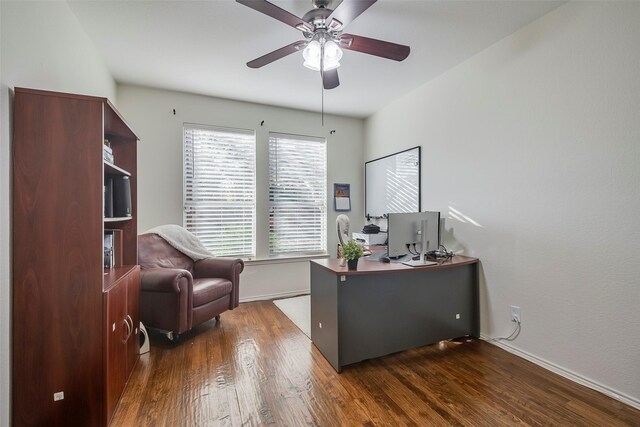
219 188
297 195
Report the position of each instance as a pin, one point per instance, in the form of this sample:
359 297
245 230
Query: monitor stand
423 248
419 263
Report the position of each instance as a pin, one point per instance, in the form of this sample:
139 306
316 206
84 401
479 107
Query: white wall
42 46
532 151
150 113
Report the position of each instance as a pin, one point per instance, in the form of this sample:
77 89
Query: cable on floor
512 336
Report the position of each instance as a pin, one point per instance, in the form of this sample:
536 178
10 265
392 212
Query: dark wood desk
383 308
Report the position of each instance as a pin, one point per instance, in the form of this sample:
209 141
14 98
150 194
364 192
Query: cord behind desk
379 253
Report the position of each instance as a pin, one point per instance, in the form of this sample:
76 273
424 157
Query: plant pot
353 264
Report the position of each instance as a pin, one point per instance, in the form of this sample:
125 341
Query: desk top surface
366 266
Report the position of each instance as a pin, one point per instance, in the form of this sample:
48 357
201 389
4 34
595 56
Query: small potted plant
352 251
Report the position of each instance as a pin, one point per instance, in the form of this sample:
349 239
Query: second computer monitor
405 232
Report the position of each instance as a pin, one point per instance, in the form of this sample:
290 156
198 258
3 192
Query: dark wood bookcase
75 325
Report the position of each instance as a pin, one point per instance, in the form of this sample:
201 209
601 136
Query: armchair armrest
166 298
165 280
224 268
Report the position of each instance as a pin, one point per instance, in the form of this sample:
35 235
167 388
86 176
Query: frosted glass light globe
311 55
332 55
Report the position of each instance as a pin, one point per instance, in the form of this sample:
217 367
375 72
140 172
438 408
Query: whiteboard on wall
392 184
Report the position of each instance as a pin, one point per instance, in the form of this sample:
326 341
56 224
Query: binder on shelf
121 196
108 197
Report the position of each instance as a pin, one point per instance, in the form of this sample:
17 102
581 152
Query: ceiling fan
323 37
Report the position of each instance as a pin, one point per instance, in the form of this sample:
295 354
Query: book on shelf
107 152
112 248
109 260
107 157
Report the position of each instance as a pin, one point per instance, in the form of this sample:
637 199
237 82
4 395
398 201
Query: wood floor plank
255 367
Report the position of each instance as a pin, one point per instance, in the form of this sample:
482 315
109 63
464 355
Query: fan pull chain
322 83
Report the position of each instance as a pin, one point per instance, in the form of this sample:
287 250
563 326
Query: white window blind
297 194
219 188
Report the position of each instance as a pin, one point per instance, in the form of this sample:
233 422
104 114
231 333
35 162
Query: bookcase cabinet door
117 332
122 336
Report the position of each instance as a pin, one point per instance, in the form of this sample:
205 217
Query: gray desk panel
324 310
385 313
375 314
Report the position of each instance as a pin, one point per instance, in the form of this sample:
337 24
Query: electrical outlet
58 396
457 316
320 325
515 314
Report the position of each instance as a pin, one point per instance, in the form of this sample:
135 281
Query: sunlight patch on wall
456 214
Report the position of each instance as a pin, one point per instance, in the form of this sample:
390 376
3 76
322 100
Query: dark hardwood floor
255 367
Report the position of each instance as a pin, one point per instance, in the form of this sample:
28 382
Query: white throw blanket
183 240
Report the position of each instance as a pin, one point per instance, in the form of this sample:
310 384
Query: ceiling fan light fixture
332 55
311 55
313 51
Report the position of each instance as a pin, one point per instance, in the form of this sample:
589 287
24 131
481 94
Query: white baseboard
275 296
631 401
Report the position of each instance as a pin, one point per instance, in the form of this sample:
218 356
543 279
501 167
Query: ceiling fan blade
397 52
330 79
346 12
278 13
277 54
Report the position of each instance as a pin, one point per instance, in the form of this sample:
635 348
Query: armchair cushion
207 290
226 268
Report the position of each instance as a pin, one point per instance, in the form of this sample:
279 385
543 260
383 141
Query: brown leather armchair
177 293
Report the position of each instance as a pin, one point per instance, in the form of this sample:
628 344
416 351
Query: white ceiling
202 47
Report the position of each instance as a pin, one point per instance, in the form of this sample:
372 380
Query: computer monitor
406 229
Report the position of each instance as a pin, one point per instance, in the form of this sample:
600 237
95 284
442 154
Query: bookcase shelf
118 219
110 168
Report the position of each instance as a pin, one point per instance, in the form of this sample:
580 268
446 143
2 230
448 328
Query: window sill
284 259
